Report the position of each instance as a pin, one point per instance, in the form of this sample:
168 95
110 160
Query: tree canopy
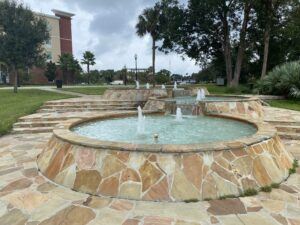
22 38
241 38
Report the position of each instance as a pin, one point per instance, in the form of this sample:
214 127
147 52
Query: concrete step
290 136
32 130
288 129
32 124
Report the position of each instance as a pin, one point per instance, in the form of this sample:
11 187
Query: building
60 29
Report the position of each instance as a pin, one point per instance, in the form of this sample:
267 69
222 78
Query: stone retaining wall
165 172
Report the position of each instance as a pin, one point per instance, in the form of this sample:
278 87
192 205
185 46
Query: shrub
282 80
266 189
250 192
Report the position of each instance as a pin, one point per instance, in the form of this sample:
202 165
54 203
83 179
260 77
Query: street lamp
136 57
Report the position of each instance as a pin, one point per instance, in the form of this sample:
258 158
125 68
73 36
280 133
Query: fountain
141 121
178 114
137 84
147 86
163 87
203 93
175 86
200 95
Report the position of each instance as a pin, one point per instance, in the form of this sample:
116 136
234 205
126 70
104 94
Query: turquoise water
191 130
192 99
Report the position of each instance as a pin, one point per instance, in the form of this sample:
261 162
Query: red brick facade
65 28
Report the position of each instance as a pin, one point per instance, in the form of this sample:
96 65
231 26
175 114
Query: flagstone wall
165 172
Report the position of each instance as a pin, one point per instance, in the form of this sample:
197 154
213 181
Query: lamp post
136 72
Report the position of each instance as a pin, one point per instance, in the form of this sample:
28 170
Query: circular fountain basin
191 130
163 172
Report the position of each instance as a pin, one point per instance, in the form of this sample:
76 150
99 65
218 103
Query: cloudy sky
107 28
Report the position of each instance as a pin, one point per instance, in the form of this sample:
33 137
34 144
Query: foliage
26 102
266 189
210 32
23 36
70 66
282 80
50 72
250 192
163 77
88 60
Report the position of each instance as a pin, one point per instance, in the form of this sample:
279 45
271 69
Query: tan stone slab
231 220
257 218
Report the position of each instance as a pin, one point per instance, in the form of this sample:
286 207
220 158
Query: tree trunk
241 50
153 61
15 72
227 51
266 51
267 37
88 71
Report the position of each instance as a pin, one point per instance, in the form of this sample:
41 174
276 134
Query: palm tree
88 60
149 23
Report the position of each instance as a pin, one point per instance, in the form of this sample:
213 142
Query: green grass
87 90
13 106
214 89
286 104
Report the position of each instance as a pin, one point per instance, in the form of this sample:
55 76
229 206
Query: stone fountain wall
245 108
136 95
164 176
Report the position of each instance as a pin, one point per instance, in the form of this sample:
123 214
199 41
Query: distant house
60 29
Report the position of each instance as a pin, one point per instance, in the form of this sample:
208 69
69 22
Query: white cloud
107 27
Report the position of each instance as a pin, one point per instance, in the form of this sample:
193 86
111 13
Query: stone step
288 129
42 119
290 136
90 103
32 130
83 109
36 124
283 123
83 106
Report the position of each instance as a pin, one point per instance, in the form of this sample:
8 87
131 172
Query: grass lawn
13 106
214 89
286 104
87 90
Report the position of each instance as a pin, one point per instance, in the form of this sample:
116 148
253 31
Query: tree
206 28
50 72
163 76
23 36
88 60
69 66
272 13
149 23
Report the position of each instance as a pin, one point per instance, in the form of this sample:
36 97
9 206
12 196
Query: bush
282 80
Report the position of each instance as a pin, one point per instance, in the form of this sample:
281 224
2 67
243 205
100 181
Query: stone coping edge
264 132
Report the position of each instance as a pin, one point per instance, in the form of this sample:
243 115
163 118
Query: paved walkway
26 197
